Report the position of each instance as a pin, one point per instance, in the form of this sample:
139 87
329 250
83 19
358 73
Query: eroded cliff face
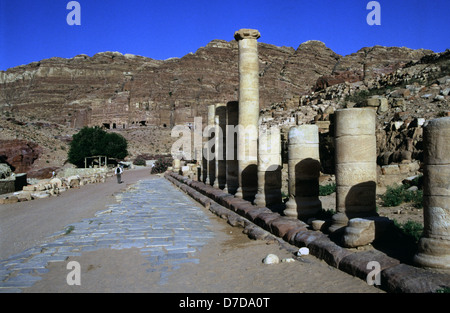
119 91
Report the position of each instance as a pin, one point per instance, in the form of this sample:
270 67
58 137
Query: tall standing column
356 168
220 149
232 180
209 152
303 172
269 167
434 246
248 112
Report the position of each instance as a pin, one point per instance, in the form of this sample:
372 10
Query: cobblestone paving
153 216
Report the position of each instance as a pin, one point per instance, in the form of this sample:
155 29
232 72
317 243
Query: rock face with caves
119 91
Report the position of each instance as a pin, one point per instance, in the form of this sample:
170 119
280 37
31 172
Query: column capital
245 33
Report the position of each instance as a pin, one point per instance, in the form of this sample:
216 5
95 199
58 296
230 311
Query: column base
433 253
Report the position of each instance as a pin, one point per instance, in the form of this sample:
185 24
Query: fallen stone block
40 195
328 251
362 231
305 237
263 220
404 278
56 182
390 169
256 233
359 232
24 196
357 264
244 208
234 203
9 200
281 226
222 199
253 214
29 188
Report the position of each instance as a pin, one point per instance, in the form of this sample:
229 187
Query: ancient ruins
253 173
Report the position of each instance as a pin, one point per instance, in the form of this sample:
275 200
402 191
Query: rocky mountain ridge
46 102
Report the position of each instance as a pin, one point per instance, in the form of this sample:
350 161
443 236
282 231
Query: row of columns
253 172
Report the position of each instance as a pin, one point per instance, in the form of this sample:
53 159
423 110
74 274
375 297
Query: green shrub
396 195
161 165
327 189
411 229
139 162
325 214
443 290
92 141
393 196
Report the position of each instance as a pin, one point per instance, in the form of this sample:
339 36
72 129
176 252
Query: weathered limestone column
209 149
434 246
220 149
248 112
176 165
303 172
232 179
356 168
269 167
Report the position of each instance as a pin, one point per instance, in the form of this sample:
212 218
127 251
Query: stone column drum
356 168
209 149
434 246
220 149
269 167
303 172
248 112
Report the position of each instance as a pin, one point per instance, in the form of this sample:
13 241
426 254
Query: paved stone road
166 225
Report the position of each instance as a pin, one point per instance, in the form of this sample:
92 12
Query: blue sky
35 30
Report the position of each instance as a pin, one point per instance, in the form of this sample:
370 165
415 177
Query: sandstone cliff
119 91
46 102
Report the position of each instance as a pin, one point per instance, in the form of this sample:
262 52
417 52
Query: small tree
92 141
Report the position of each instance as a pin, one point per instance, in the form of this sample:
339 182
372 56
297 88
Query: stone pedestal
356 171
269 167
220 148
248 112
434 246
303 172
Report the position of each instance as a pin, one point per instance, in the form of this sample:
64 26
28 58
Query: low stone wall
53 187
7 185
262 223
13 183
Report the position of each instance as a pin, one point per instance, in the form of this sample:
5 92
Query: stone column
434 246
303 172
269 167
220 149
176 165
209 149
356 168
248 112
232 180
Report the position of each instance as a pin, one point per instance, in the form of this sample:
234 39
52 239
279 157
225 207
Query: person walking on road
118 173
